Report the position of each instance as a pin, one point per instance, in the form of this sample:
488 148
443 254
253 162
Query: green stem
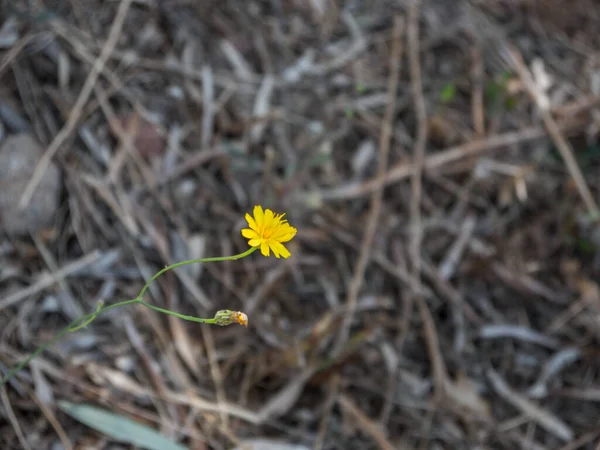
176 314
88 318
193 261
88 321
73 326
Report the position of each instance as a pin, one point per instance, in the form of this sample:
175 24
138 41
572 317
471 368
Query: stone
19 155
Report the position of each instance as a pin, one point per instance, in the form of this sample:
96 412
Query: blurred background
440 160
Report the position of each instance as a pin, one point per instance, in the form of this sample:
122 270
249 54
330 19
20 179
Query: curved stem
88 318
193 261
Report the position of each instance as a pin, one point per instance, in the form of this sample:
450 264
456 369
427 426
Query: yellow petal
284 227
254 242
264 249
249 234
251 222
285 234
280 249
280 230
269 216
259 216
273 246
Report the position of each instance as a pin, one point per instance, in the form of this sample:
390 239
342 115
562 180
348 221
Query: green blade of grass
118 427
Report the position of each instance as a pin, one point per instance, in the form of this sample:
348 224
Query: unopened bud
226 317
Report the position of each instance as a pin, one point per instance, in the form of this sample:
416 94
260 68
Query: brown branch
376 201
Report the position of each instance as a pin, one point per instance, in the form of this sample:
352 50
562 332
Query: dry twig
561 143
402 171
546 419
82 99
365 423
384 147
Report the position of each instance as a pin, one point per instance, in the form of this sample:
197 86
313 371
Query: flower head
268 231
226 317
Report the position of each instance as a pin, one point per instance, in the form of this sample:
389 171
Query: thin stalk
88 318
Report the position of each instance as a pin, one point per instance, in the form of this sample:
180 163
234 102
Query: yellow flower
267 231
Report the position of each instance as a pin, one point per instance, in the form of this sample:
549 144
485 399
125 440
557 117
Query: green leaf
448 93
119 428
510 102
360 87
505 75
586 247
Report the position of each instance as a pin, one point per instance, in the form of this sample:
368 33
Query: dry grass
443 290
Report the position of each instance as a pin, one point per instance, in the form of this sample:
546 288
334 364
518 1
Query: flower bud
226 317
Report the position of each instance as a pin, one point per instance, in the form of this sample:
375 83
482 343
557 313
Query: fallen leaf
148 139
465 395
268 444
118 427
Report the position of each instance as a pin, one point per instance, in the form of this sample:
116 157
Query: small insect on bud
226 317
